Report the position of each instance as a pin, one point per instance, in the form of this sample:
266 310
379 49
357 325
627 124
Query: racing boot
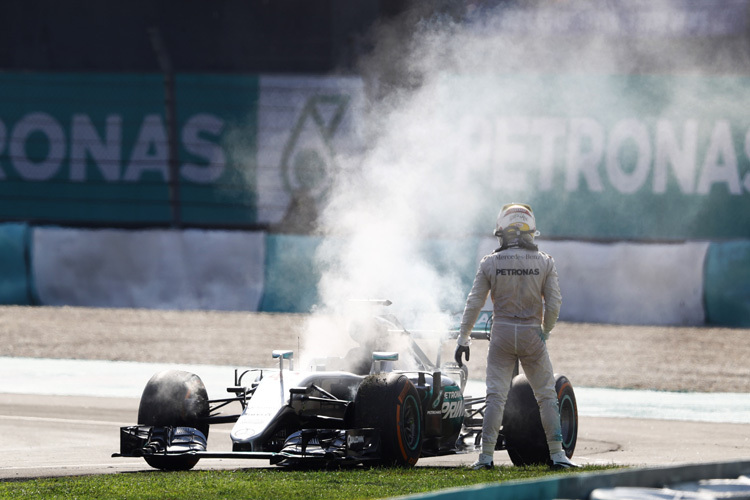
561 461
484 462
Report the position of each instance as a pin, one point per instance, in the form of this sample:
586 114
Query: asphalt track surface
42 436
45 436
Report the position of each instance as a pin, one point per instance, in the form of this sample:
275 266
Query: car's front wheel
174 398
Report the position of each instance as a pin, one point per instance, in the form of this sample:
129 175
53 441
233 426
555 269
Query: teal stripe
291 274
727 284
14 268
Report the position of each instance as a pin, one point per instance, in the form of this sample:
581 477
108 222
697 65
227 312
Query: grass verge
341 484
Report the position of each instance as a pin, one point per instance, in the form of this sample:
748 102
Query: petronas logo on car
453 404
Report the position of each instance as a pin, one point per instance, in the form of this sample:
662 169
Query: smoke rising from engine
447 96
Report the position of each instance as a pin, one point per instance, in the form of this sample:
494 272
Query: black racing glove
460 350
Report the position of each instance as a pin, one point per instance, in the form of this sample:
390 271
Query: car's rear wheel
525 440
389 402
174 398
568 414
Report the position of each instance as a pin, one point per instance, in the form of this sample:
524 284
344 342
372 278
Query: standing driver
526 303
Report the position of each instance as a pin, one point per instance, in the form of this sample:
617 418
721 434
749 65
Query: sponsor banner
626 283
217 149
155 269
308 130
598 156
609 157
93 148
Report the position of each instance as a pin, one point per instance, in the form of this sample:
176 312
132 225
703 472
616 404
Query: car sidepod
443 408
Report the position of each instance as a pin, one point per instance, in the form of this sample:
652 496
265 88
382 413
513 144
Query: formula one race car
322 417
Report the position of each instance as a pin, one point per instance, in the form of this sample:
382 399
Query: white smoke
423 176
412 187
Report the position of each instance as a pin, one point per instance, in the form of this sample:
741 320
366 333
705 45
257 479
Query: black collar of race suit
514 238
517 244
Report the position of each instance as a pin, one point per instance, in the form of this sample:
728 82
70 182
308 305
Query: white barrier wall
156 269
627 283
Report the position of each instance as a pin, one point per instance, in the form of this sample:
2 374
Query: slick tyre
566 398
389 402
174 398
525 440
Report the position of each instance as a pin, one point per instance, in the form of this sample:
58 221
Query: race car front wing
340 445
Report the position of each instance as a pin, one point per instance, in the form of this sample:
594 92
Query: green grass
264 484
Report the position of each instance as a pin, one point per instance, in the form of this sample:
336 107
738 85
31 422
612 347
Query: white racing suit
526 303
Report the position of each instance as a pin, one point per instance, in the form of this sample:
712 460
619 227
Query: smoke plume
430 173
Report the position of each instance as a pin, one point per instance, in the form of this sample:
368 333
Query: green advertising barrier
607 156
291 274
93 149
14 272
727 284
599 157
603 157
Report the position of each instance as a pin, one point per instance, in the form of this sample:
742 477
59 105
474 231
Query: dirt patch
591 355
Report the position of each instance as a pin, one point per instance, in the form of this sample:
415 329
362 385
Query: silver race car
321 416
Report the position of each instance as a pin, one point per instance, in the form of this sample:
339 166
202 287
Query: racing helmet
515 222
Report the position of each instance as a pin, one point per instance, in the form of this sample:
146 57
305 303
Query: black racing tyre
525 440
566 398
389 402
174 398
